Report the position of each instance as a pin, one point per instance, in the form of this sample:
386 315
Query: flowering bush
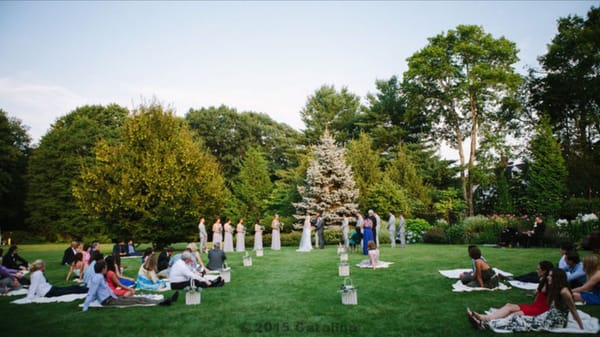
415 228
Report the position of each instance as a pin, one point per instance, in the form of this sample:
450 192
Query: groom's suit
319 225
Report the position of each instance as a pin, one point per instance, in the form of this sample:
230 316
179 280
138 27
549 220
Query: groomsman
391 227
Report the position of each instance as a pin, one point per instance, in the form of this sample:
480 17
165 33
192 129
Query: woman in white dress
305 244
258 229
217 229
240 244
275 234
228 241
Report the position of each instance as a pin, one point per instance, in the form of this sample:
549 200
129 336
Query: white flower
589 217
561 222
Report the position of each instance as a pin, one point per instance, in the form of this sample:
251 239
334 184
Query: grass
287 293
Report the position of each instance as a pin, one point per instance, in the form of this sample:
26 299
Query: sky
263 56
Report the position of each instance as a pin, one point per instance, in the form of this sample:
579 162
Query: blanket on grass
63 298
460 287
97 304
454 273
21 291
523 285
590 324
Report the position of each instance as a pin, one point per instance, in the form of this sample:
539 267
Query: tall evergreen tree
546 179
253 186
365 162
330 189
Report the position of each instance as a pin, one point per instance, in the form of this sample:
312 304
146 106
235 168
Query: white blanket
590 324
454 273
21 291
523 285
63 298
459 287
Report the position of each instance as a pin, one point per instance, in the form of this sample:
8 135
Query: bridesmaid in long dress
240 244
275 236
217 229
367 229
258 229
228 241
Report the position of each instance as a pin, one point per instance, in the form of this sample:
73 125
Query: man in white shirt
183 271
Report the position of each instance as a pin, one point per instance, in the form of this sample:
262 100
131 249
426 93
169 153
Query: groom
319 227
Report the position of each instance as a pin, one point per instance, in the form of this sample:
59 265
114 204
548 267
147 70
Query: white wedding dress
305 243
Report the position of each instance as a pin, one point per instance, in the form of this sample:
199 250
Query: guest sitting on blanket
183 272
540 304
147 278
469 276
590 291
12 260
163 262
575 273
114 283
76 267
559 299
216 257
131 249
565 248
147 252
99 290
89 271
196 256
373 260
41 288
485 276
9 279
127 281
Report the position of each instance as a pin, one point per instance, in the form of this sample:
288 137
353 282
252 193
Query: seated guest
183 272
119 248
89 271
76 267
373 260
131 249
469 276
163 262
87 248
147 252
100 291
565 247
41 288
559 301
539 306
589 292
113 280
536 278
147 278
9 279
485 276
575 273
69 253
12 260
127 281
216 257
196 256
355 237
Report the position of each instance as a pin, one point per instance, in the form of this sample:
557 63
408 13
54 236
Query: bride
305 244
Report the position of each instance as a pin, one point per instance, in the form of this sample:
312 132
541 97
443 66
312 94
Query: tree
54 166
153 184
365 164
253 186
330 188
404 173
14 153
387 120
546 180
229 134
462 81
335 111
567 90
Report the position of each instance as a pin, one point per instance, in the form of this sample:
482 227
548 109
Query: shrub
434 235
456 234
415 228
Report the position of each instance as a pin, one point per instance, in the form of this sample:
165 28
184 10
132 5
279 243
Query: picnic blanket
590 324
21 291
460 287
97 304
454 273
63 298
523 285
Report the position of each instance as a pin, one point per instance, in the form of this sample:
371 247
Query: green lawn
287 293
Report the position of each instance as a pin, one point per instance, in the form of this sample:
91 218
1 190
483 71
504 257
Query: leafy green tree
153 184
404 173
229 134
285 192
253 186
387 120
14 153
330 189
55 164
546 180
365 163
386 195
335 111
463 81
567 90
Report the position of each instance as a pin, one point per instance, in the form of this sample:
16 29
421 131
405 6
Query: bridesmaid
240 245
275 234
217 229
258 229
228 241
